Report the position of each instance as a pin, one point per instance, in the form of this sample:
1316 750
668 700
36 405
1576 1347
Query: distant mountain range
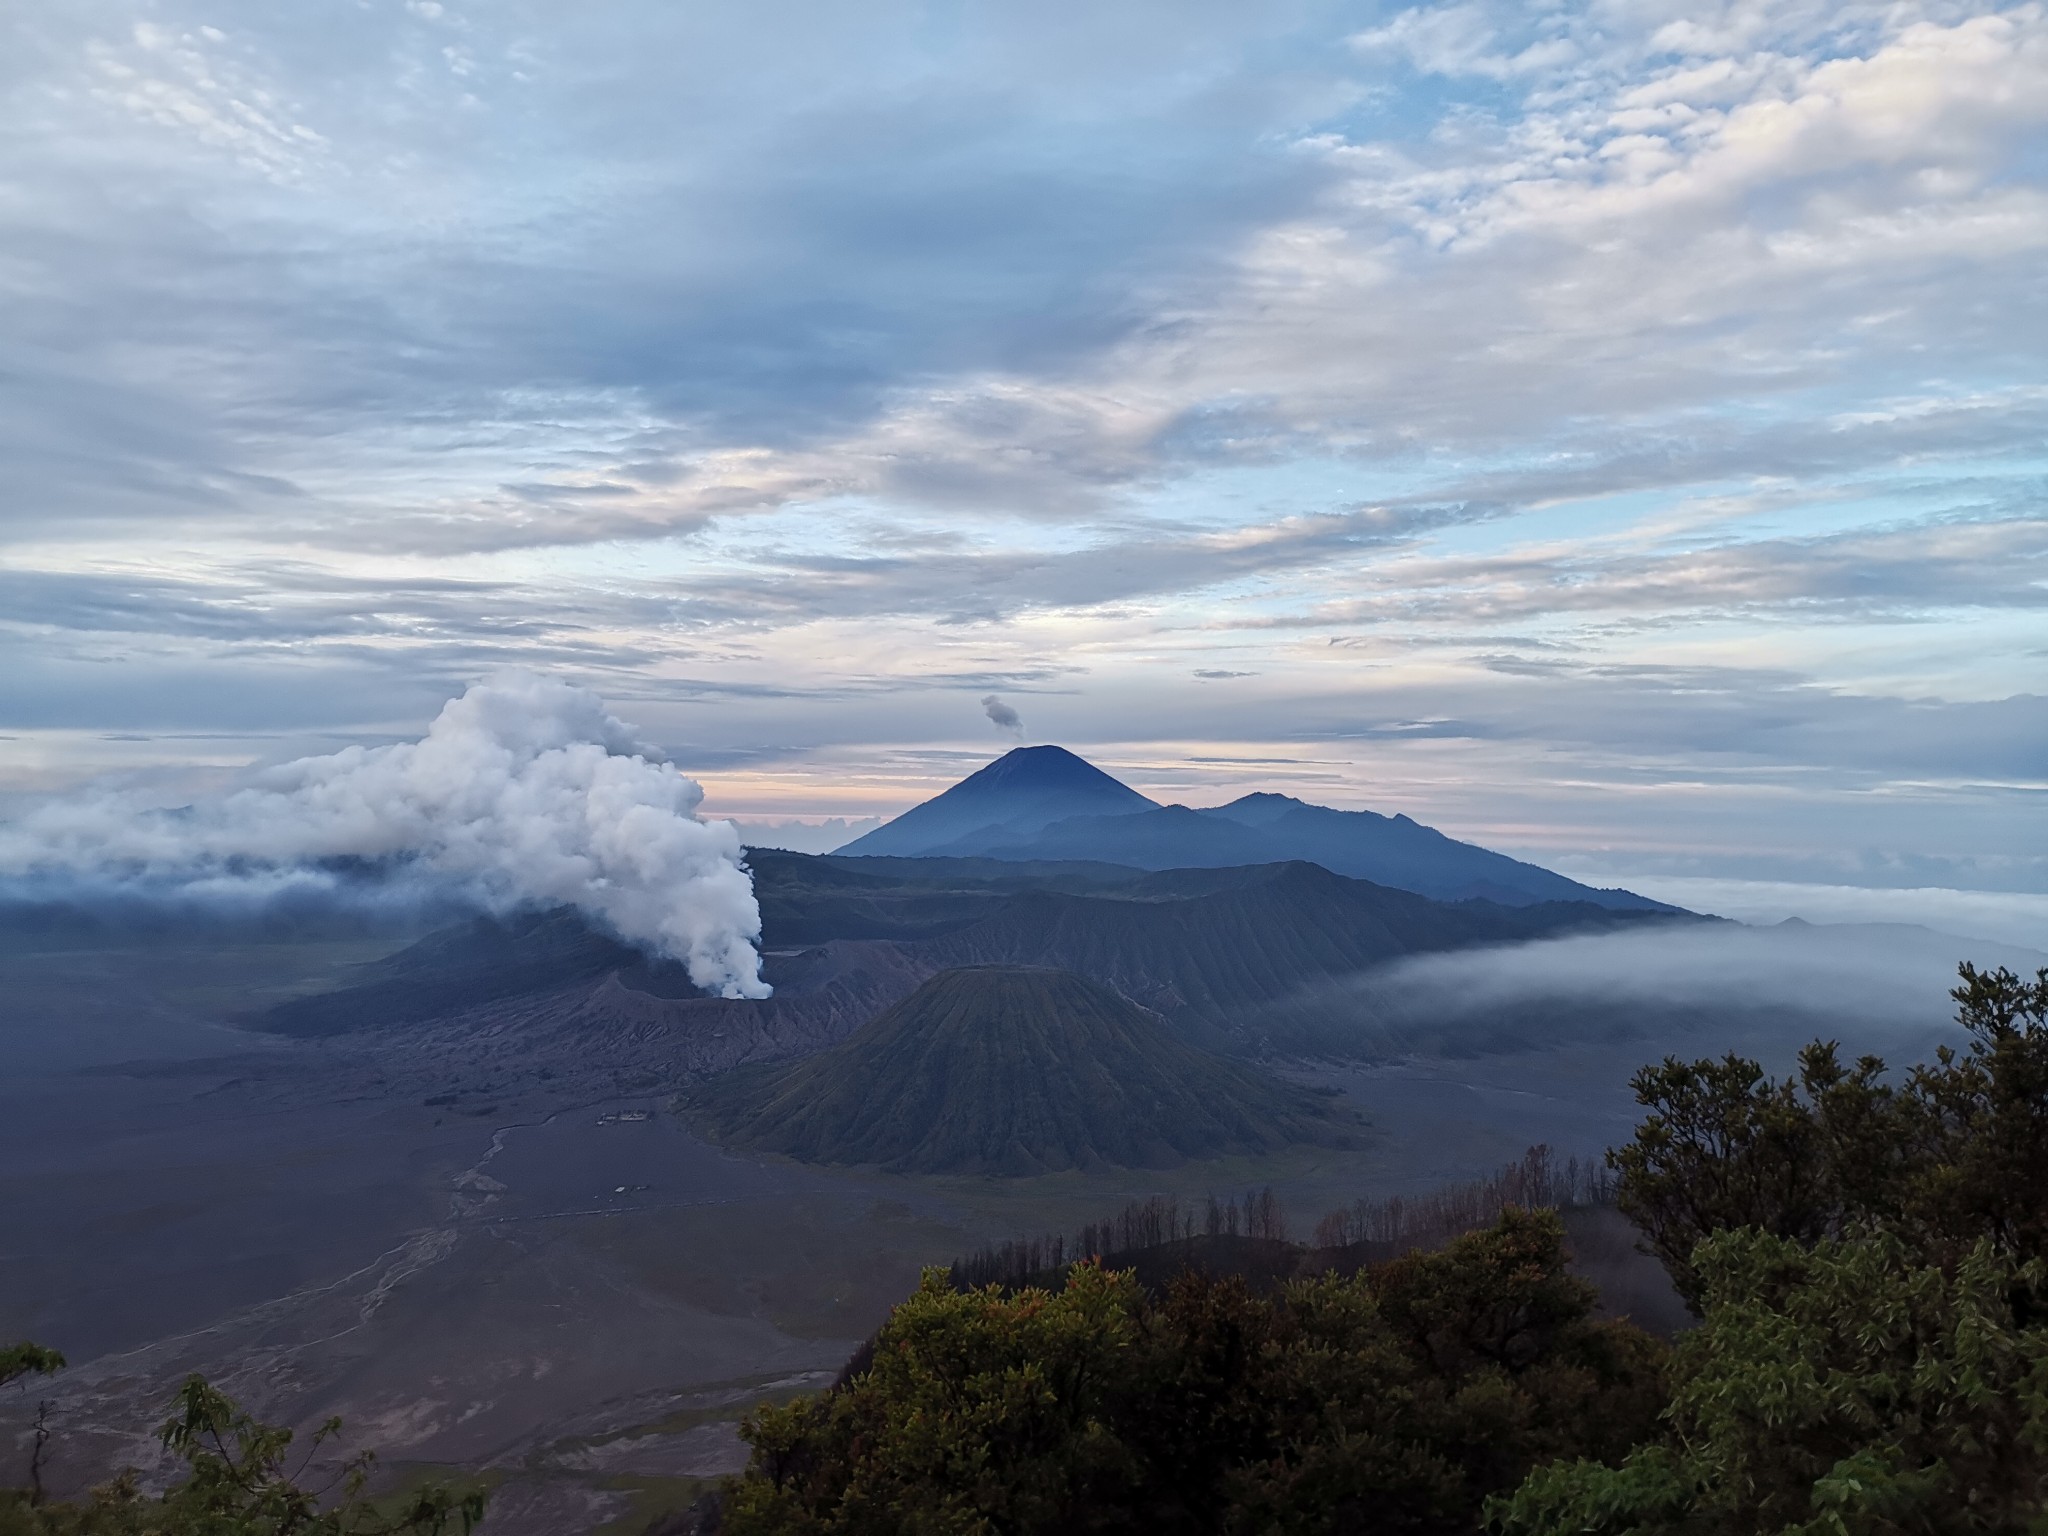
1045 803
1037 993
1011 1070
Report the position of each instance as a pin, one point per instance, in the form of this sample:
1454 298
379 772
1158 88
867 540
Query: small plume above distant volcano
523 792
1002 716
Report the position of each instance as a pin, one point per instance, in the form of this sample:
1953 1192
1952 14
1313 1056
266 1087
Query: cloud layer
1690 990
1543 419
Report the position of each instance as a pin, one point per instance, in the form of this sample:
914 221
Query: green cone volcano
1011 1070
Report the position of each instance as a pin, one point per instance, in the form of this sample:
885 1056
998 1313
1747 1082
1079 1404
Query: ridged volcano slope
1011 1070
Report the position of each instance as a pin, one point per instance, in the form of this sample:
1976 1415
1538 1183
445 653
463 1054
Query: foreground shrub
238 1482
1954 1153
1846 1387
1397 1398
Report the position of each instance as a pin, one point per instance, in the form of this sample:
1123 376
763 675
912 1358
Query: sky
1615 433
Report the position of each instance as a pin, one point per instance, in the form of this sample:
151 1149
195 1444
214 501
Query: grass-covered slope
1011 1070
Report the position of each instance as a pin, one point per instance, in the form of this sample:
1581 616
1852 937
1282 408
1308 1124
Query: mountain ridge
1220 952
1045 804
1393 851
1239 959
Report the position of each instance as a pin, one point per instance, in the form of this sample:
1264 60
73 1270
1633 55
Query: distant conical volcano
1013 798
1011 1070
1046 804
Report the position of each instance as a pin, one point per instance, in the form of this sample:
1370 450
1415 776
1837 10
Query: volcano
1011 1070
1015 797
1025 807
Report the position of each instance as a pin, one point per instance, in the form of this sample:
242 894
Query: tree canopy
1847 1386
1956 1152
1407 1394
1868 1263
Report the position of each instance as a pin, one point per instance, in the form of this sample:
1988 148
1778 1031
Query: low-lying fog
2011 917
1474 1055
1875 987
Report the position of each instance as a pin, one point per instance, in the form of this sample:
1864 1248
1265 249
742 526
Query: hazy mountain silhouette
1011 1070
1017 795
1387 850
1025 806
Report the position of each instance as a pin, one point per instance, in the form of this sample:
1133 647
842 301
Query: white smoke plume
1002 716
524 791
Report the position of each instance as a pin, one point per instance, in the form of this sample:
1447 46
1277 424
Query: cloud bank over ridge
1689 989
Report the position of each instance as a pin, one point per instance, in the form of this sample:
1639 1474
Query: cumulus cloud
1002 716
523 791
1457 40
1625 218
1602 223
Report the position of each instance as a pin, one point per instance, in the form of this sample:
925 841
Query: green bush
1846 1387
1400 1397
1956 1152
238 1482
1868 1263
